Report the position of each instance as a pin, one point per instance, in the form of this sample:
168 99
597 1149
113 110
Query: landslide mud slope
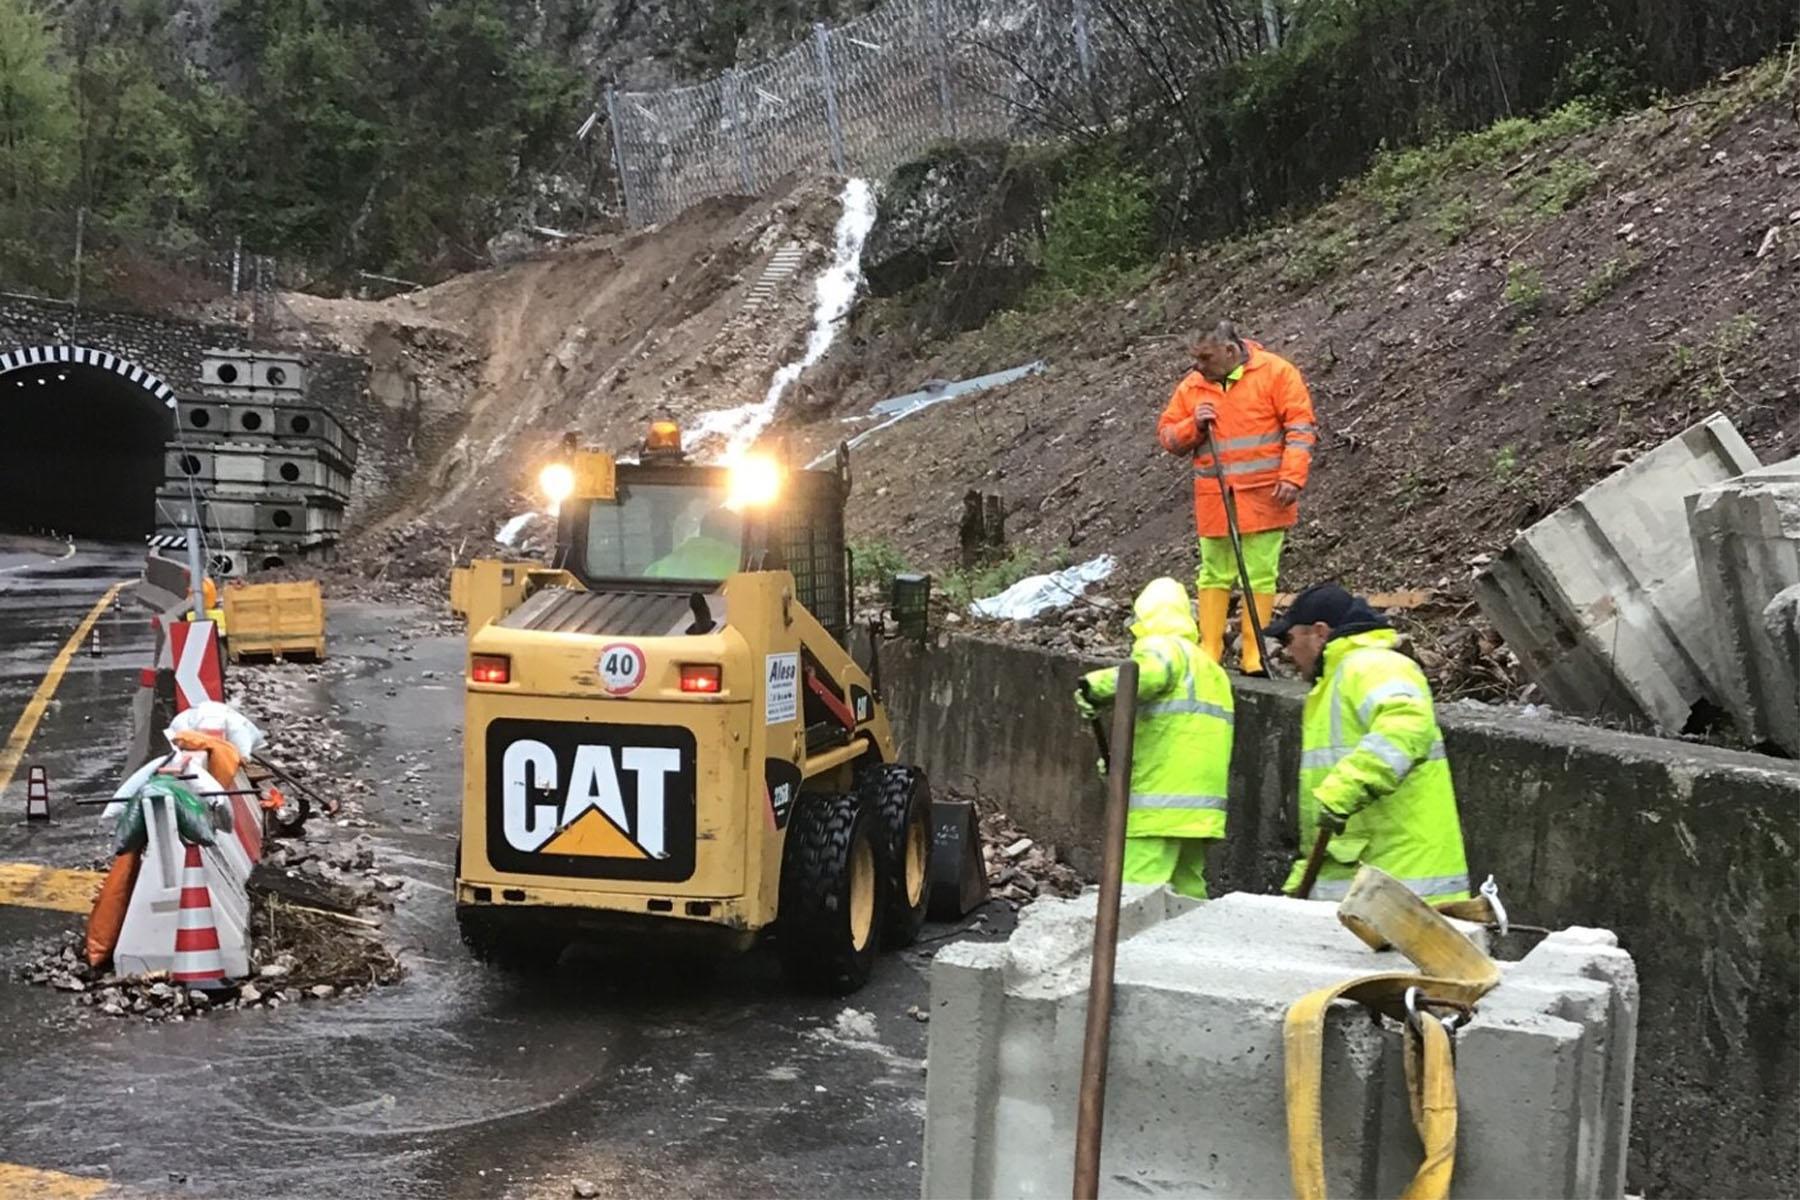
596 337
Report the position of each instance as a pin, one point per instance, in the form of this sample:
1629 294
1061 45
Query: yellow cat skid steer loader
665 734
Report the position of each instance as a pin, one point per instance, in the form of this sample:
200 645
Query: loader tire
902 798
832 892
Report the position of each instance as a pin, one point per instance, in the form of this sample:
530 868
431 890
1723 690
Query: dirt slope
597 337
1465 389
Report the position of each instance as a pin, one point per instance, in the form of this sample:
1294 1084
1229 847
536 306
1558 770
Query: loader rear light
704 678
490 668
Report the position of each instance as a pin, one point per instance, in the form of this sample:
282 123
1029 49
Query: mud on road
457 1081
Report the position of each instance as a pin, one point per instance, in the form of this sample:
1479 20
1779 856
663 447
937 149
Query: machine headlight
556 481
754 481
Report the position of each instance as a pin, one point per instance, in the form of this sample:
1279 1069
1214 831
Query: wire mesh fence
72 257
865 96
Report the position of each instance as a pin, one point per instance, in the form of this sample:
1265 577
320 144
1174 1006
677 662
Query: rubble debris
297 952
1019 868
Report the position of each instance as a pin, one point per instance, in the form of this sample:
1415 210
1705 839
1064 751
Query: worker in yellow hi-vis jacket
1181 757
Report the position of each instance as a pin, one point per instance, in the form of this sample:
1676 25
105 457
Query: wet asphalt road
459 1081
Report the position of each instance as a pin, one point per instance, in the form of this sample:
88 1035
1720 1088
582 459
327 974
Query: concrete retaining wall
1688 853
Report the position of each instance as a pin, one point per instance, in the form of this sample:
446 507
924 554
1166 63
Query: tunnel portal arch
86 432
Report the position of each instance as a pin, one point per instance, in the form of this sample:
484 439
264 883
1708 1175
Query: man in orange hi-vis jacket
1261 417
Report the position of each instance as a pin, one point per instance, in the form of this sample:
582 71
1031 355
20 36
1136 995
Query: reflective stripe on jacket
1181 758
1370 748
1265 433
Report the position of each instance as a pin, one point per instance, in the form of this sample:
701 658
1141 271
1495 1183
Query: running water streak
835 294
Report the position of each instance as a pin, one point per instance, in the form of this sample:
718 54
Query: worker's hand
1286 493
1331 820
1100 769
1204 415
1084 706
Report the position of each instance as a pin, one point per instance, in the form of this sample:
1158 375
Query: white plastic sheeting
835 293
1040 593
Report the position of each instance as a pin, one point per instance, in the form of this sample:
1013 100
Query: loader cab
664 523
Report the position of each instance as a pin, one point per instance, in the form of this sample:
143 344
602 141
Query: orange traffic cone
197 958
37 795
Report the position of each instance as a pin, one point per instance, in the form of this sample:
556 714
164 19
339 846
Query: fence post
1084 54
632 215
80 246
822 44
940 66
734 88
237 264
1272 23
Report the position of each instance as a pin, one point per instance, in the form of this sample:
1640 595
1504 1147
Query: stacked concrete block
1195 1094
1601 600
265 474
1746 542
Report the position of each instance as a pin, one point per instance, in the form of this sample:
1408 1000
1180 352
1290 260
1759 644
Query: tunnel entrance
82 449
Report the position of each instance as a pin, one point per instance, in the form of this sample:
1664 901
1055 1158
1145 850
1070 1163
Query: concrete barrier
1746 536
1195 1092
1686 852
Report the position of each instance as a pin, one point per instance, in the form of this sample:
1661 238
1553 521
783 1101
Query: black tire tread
816 950
896 792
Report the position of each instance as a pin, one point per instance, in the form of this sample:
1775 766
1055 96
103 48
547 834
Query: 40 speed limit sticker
621 668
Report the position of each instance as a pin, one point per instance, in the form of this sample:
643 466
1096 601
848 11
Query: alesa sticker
621 668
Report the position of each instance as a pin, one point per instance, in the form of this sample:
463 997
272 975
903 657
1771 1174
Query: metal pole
1084 52
734 90
1272 23
632 215
195 572
237 264
80 241
822 46
940 66
1090 1115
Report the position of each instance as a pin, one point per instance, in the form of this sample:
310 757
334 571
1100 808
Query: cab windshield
664 531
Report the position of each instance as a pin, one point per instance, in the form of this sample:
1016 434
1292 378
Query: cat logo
602 801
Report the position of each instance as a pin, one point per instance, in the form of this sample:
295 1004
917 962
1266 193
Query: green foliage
1708 362
35 117
1558 187
1524 292
383 136
1506 464
1396 178
964 586
1605 280
876 562
1454 219
1098 229
1321 254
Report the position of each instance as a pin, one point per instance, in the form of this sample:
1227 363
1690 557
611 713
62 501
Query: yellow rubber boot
1252 654
1215 608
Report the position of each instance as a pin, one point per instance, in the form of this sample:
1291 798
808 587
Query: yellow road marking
40 699
27 885
29 1183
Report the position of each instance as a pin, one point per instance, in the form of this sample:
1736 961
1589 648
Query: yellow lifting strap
1452 973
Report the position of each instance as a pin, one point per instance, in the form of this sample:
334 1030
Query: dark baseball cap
1331 604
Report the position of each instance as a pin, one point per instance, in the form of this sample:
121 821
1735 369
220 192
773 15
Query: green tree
35 120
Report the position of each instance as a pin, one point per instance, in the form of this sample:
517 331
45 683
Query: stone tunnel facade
170 349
